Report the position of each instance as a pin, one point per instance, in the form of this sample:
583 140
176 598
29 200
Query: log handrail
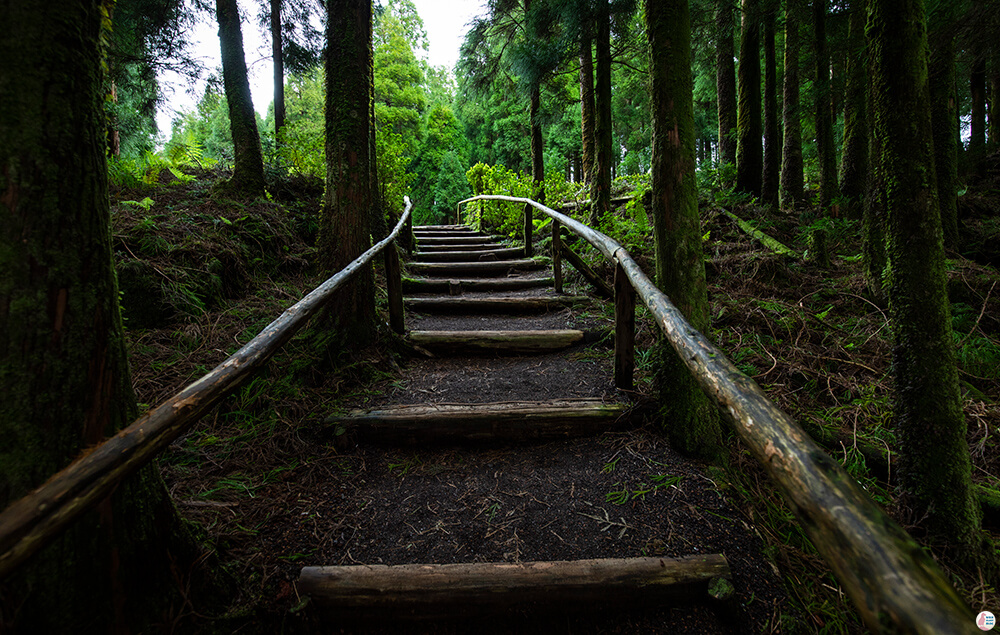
33 521
893 583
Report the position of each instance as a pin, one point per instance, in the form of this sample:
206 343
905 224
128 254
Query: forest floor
271 488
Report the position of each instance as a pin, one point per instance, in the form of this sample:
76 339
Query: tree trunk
854 167
725 80
934 463
587 106
791 190
977 127
63 370
750 148
944 119
994 112
600 193
824 112
248 162
345 222
278 57
772 135
692 420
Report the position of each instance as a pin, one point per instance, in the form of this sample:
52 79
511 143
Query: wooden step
460 286
501 342
496 268
507 253
455 240
432 228
507 305
446 248
454 234
515 421
425 591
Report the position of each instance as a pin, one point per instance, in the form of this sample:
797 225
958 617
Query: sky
446 22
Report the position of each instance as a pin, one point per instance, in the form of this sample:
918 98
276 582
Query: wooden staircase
463 274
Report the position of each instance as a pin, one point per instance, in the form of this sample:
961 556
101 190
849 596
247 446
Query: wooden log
446 248
499 267
408 240
425 591
507 253
394 289
501 342
420 228
32 522
602 287
624 331
621 200
766 240
886 573
516 421
494 304
527 230
557 256
450 234
454 240
431 285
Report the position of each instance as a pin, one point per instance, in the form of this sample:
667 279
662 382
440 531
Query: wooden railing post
394 288
624 330
408 240
557 256
528 227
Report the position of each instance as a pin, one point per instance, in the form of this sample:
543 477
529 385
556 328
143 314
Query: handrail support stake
394 288
624 330
528 228
557 256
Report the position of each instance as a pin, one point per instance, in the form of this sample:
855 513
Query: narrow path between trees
506 453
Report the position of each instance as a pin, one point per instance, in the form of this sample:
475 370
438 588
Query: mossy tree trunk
944 117
725 80
772 134
934 463
854 166
600 193
345 225
278 57
587 104
825 145
792 178
977 124
248 161
750 147
692 420
63 369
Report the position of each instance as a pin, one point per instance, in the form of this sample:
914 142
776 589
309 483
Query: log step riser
501 342
470 256
492 305
423 591
454 269
458 287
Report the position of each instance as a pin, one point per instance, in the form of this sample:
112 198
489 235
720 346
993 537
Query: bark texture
345 222
750 148
587 105
278 57
934 464
692 420
825 145
854 166
63 369
248 161
944 119
725 80
600 193
792 178
772 135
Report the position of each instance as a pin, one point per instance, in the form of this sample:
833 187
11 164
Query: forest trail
507 443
